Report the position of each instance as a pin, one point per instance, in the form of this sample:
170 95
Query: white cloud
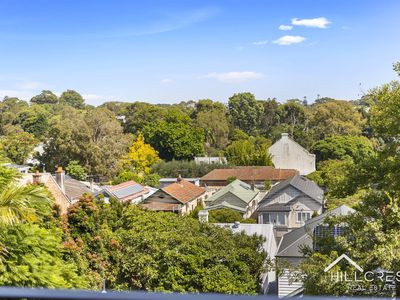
289 40
235 77
167 81
320 22
25 95
260 43
285 27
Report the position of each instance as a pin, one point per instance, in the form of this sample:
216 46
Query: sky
170 51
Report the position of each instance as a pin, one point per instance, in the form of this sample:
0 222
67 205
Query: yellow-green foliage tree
141 156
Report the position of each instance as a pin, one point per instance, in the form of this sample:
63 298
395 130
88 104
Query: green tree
34 259
175 137
212 117
75 170
344 147
93 138
72 98
45 97
248 153
335 117
140 114
227 216
245 111
17 144
35 120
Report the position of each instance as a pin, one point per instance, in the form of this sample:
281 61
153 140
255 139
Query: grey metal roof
74 188
291 242
240 189
301 183
127 191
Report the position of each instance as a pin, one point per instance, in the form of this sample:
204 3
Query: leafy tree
35 120
270 117
212 117
335 117
140 114
294 114
72 98
45 97
34 259
17 144
227 216
141 156
94 139
335 176
10 108
144 250
175 137
248 153
75 170
245 111
396 68
344 147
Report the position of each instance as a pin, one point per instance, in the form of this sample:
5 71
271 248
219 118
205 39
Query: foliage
344 147
143 250
34 120
17 144
22 203
245 111
248 153
212 118
34 259
141 156
72 98
186 168
335 176
227 216
76 171
230 179
175 137
45 97
335 117
94 139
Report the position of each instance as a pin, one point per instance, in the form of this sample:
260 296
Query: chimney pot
36 177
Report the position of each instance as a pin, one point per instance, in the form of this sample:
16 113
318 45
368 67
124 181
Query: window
277 218
303 216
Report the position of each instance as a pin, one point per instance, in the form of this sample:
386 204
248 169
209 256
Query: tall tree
45 97
245 111
72 98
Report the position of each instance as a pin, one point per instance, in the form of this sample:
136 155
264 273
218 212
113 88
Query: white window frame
303 217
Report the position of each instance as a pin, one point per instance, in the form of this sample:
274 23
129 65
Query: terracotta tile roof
250 173
184 191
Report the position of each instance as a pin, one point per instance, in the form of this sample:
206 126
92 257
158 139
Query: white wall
287 154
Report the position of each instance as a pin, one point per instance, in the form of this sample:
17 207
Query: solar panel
127 191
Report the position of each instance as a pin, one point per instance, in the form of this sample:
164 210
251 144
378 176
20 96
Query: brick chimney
60 177
37 177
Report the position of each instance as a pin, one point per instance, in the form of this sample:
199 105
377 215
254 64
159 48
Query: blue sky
168 51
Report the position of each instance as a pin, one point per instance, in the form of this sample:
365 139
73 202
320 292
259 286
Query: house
209 160
129 191
289 248
181 197
217 178
167 181
290 203
238 196
64 189
24 169
268 279
287 154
